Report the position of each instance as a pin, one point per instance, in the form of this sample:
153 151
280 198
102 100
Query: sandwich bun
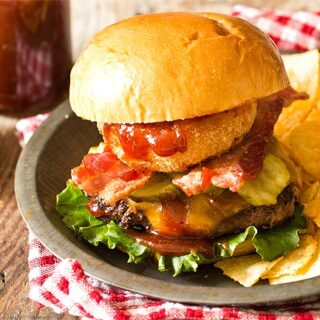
174 66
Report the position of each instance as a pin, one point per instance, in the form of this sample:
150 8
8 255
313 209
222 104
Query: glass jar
35 52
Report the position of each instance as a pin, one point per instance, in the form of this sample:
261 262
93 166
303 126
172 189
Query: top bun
170 66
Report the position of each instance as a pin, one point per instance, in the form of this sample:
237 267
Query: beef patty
263 217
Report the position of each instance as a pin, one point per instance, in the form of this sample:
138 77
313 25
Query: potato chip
304 145
310 198
311 270
315 113
296 260
244 248
311 226
247 270
311 193
303 71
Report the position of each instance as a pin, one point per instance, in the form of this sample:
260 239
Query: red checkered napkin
34 70
26 127
299 30
62 284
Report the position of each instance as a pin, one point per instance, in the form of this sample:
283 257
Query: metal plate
43 168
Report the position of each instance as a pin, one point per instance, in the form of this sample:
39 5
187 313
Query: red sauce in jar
35 53
164 138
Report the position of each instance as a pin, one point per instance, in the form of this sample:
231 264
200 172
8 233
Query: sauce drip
95 207
197 216
185 226
165 138
174 246
173 217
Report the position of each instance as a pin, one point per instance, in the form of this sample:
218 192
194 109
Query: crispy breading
206 137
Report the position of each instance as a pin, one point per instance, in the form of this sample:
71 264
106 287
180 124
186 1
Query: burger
186 173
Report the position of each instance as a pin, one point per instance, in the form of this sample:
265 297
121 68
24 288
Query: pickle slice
270 182
159 187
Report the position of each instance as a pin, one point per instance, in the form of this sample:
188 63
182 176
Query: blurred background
92 15
41 39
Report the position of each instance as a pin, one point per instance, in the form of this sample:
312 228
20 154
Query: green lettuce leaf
186 263
278 241
227 248
71 204
269 244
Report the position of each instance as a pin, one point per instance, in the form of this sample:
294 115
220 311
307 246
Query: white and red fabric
26 127
63 286
298 30
34 71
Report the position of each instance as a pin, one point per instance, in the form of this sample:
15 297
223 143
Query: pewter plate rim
52 238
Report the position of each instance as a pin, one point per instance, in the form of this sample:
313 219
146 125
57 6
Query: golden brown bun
206 137
171 66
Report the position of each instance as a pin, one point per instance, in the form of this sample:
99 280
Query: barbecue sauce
164 138
185 225
35 53
170 246
197 216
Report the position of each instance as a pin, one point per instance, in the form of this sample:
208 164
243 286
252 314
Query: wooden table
14 301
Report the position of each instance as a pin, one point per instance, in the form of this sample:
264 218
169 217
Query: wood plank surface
14 301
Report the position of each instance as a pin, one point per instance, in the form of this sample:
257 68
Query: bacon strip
244 162
104 175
